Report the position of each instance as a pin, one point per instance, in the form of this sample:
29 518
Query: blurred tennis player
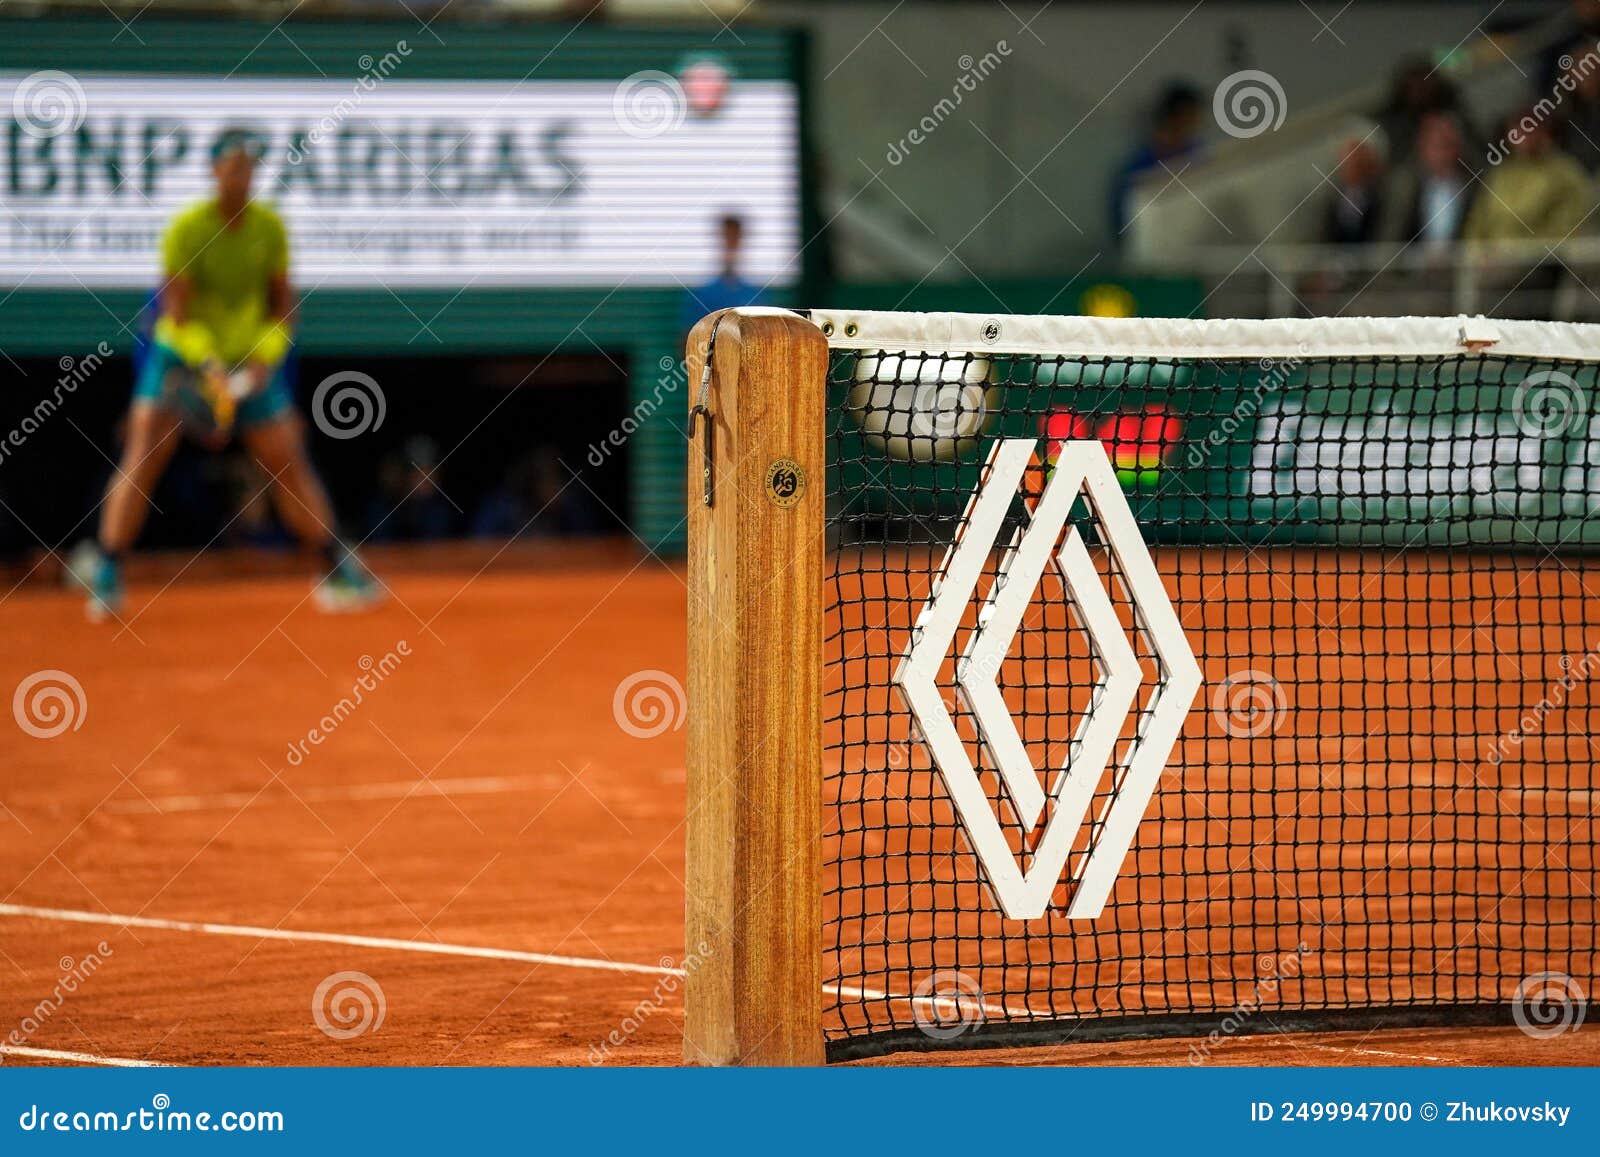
216 365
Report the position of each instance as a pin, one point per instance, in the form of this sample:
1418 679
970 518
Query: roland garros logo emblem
786 482
1049 538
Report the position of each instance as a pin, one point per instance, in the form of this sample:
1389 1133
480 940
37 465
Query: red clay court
480 838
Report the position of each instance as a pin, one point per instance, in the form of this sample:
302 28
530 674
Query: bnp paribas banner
409 182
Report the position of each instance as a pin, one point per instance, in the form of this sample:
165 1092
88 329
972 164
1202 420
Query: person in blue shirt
728 289
1174 136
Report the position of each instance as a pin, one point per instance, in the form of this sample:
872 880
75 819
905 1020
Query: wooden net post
754 870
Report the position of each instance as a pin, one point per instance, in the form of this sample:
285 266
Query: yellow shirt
231 271
1531 198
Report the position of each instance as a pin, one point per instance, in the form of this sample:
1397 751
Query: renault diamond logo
1081 468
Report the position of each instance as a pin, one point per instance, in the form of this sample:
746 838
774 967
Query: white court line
76 916
78 1058
1363 1050
1575 794
943 1005
162 804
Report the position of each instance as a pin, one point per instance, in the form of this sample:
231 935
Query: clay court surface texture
479 865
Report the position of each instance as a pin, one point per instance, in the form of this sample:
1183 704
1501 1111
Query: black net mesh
1380 809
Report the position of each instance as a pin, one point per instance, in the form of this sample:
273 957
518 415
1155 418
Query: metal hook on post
701 410
707 453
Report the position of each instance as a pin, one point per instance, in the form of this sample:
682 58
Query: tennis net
1376 538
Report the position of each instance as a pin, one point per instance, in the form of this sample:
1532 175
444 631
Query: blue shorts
269 403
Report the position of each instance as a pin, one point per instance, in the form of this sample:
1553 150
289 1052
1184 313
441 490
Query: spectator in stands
1428 194
1174 136
1537 193
1583 31
728 289
1351 214
410 506
1418 89
1581 123
538 498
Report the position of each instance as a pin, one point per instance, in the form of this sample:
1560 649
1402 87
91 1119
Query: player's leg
302 503
152 436
273 435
